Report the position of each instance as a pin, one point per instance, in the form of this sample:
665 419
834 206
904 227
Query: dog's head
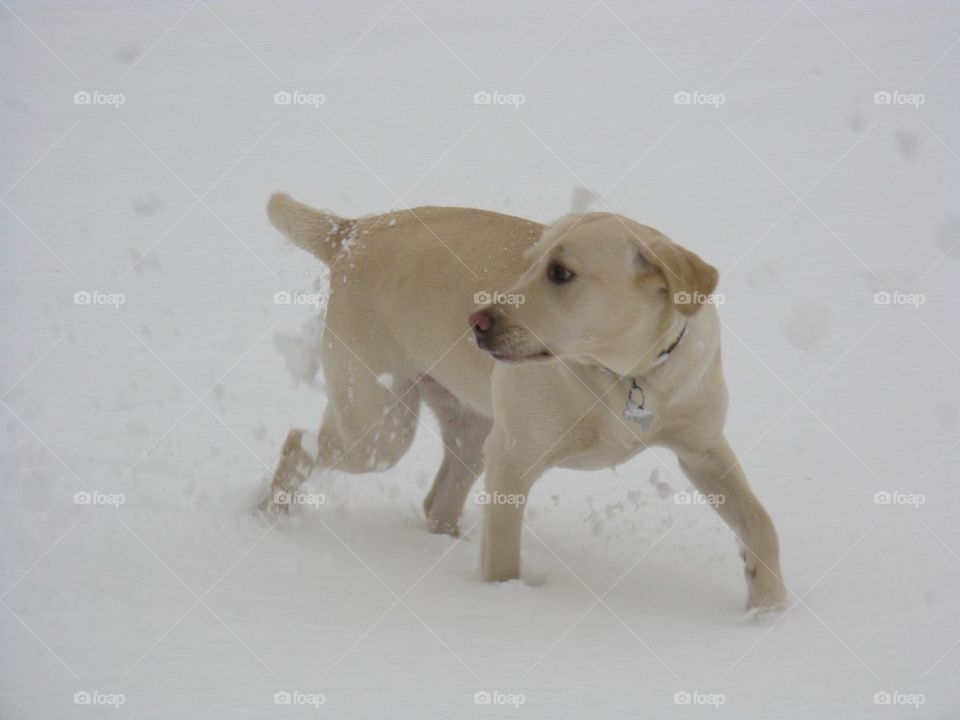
601 289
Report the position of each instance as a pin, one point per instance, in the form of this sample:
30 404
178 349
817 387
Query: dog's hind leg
367 427
463 432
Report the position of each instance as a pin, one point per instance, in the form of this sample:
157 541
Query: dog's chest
621 423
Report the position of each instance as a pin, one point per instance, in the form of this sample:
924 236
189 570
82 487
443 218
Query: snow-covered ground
173 388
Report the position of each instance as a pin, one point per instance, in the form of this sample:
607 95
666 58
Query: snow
301 350
167 383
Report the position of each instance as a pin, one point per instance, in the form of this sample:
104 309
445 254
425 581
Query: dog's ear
690 279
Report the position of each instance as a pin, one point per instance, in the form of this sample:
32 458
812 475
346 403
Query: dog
595 339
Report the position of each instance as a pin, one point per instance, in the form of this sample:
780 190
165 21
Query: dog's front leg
717 474
508 482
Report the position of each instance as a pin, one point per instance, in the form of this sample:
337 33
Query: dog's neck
660 359
635 408
665 354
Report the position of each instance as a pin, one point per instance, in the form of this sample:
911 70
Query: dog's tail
316 231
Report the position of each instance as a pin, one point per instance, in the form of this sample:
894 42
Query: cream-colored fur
402 287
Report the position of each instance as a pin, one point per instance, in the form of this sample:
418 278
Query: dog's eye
557 273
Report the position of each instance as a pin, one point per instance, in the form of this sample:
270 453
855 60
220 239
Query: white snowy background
807 194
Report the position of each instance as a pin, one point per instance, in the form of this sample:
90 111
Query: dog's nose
481 321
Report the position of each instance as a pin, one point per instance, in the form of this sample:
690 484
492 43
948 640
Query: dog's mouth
510 345
513 359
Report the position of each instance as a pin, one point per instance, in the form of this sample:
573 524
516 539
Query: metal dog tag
635 410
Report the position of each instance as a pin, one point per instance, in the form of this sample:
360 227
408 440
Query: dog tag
635 410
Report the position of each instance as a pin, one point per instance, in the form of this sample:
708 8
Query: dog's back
403 283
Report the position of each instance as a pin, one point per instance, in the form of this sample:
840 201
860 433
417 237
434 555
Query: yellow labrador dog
596 339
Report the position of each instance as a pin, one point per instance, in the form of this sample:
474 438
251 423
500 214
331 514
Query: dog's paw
765 588
274 504
766 593
761 615
443 526
766 599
